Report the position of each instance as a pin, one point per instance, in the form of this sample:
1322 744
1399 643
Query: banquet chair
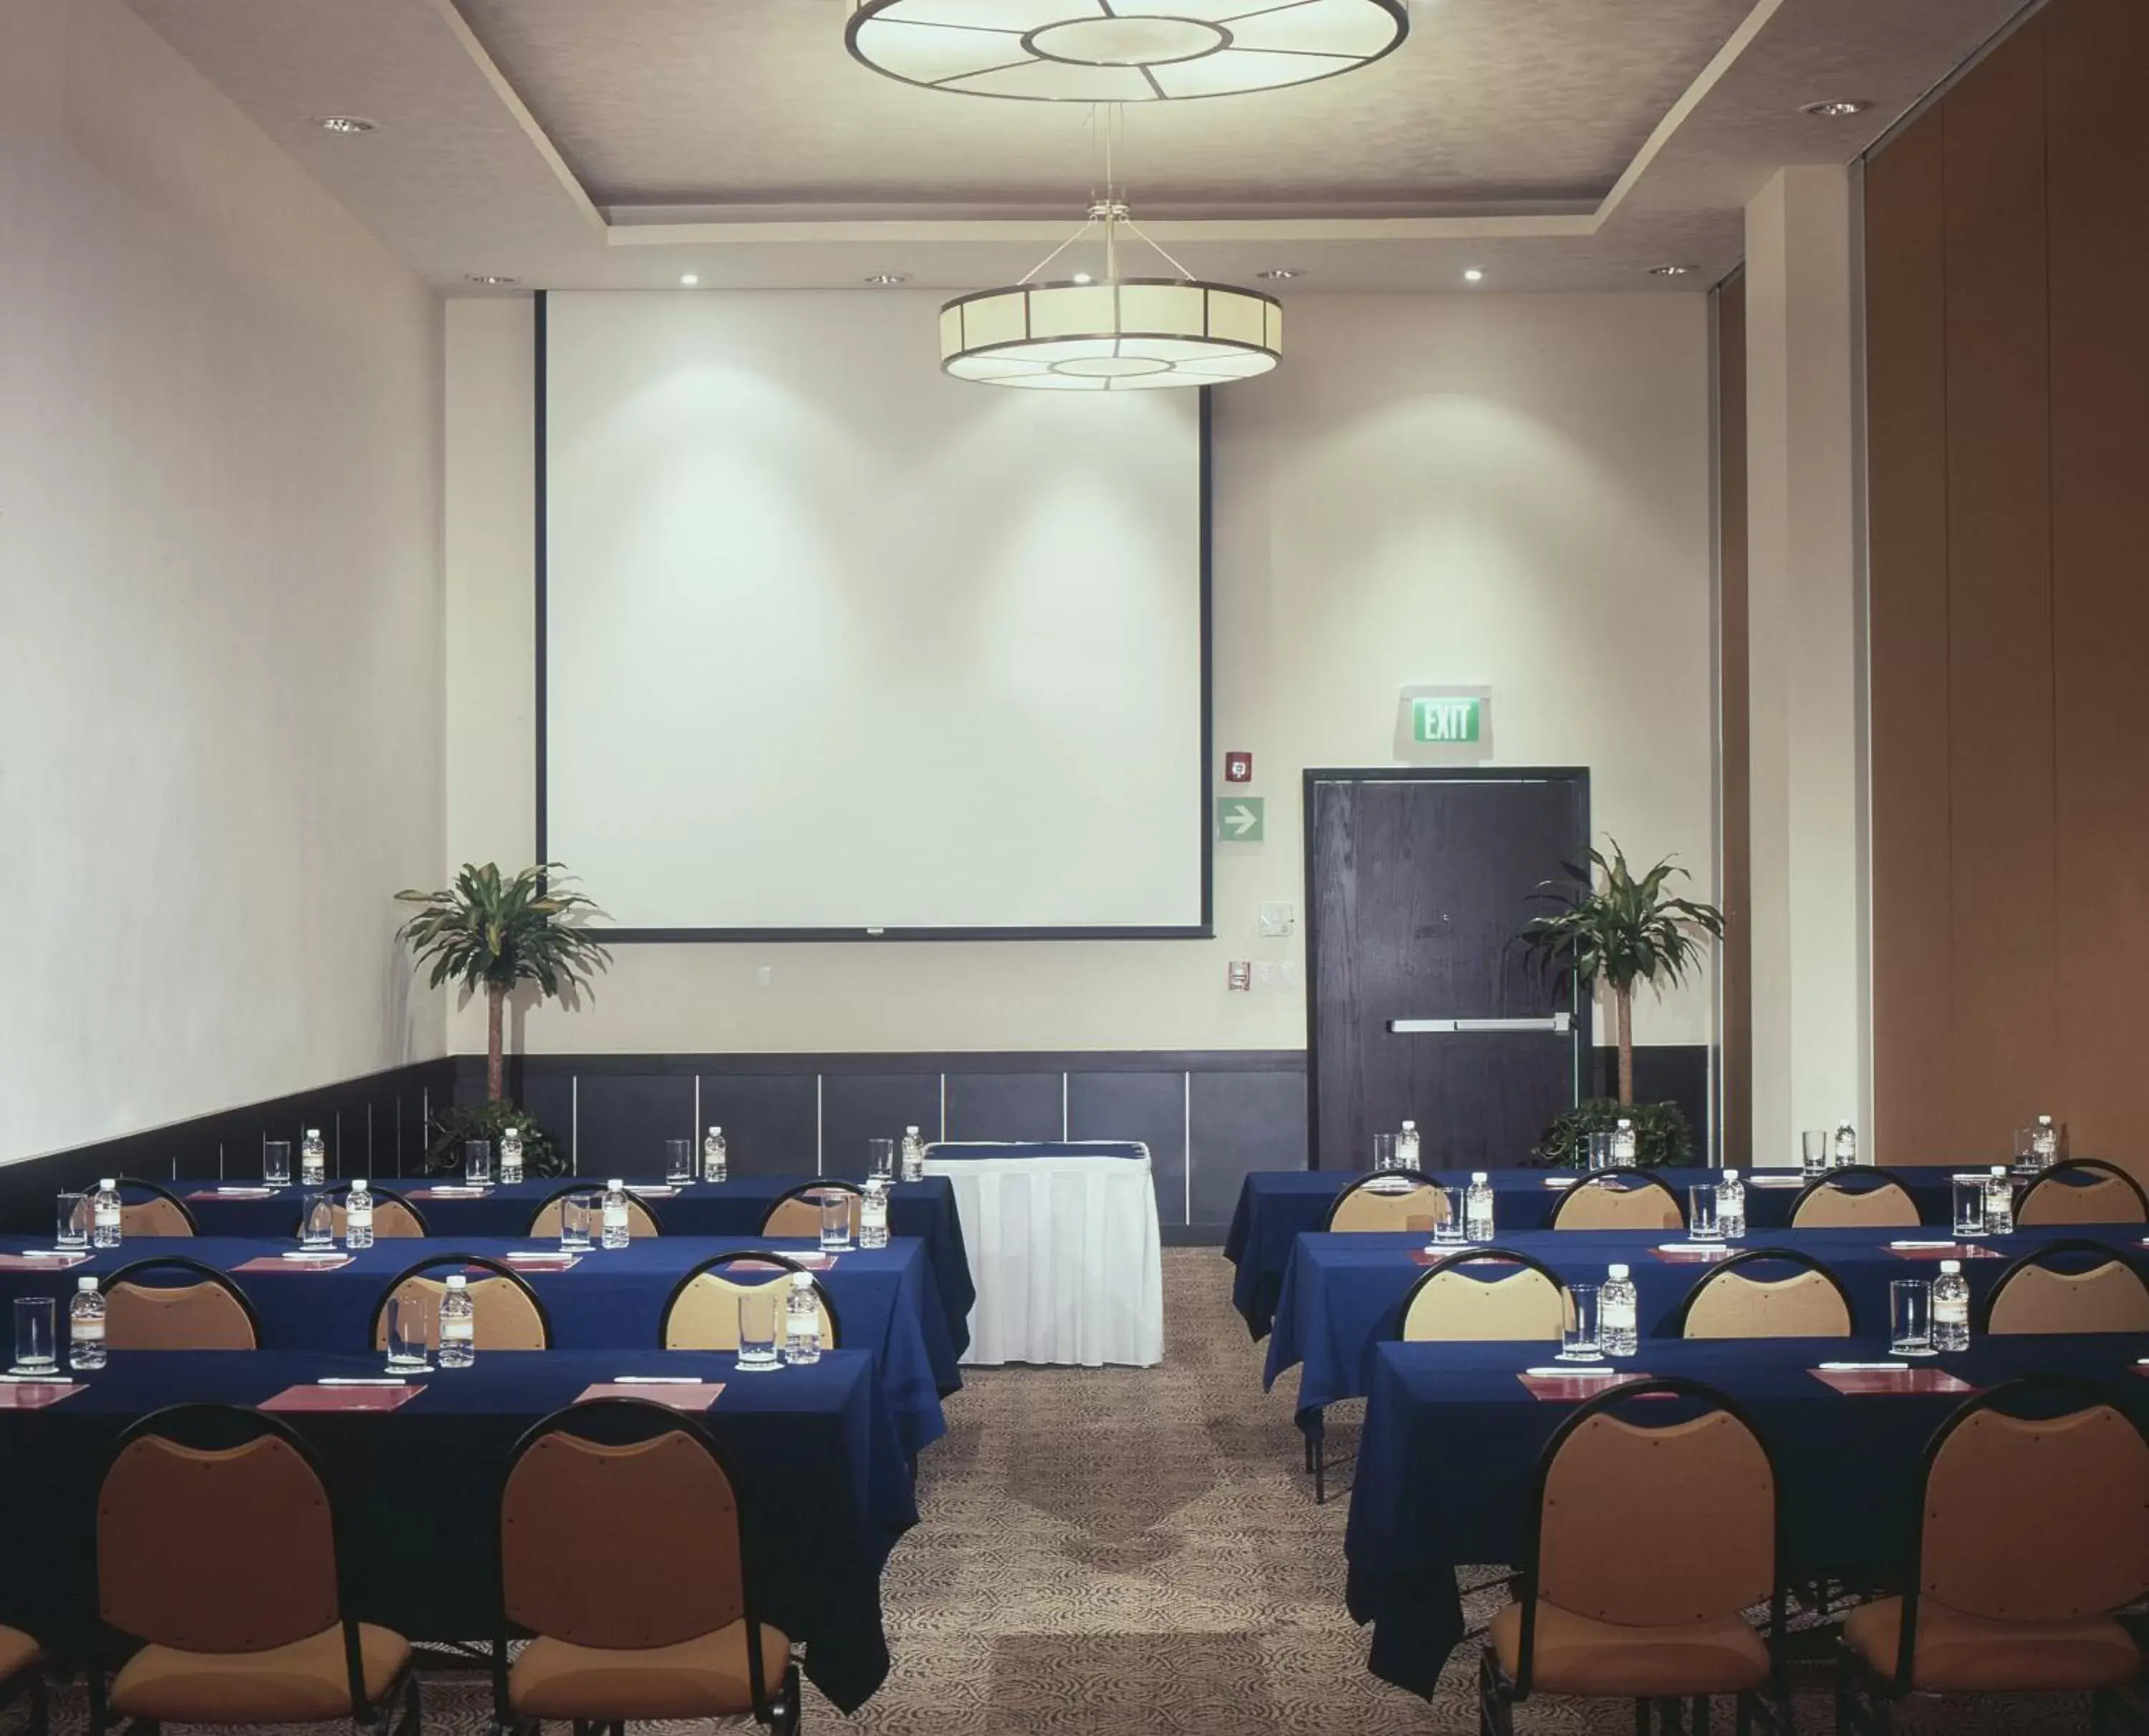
623 1559
218 1551
640 1220
1728 1303
1858 1195
1377 1203
1449 1306
796 1213
505 1310
1604 1609
1618 1200
2034 1295
2029 1531
701 1312
2082 1190
209 1313
161 1213
394 1218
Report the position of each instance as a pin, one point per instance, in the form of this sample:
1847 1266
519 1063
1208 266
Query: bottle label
458 1331
89 1331
107 1216
1954 1312
614 1217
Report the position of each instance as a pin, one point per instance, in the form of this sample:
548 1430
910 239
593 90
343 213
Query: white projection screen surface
834 644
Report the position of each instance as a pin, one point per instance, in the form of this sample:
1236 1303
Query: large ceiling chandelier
1111 334
1120 51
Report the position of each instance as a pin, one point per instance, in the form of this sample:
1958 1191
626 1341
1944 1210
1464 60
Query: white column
1811 1044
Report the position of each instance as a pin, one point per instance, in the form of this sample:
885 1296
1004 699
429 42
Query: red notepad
1692 1256
1953 1251
540 1262
234 1193
276 1263
1857 1382
35 1394
816 1262
24 1263
1570 1389
699 1397
342 1398
1447 1251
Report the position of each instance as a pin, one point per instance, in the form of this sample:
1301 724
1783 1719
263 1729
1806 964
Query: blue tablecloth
1452 1440
611 1300
1342 1294
1276 1205
820 1469
1035 1148
925 1209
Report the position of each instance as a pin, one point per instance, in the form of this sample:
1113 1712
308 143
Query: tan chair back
1610 1495
1886 1206
1365 1209
230 1551
392 1220
202 1316
620 1546
1453 1307
504 1315
1601 1204
151 1217
2108 1298
2038 1520
1730 1305
2108 1201
800 1216
705 1316
639 1223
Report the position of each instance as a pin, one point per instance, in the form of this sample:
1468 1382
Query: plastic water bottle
1619 1308
716 1158
1846 1144
1407 1147
313 1160
104 1215
2045 1143
802 1320
86 1326
1999 1203
458 1325
358 1216
1477 1208
1625 1147
615 1214
873 1215
913 1156
1731 1205
317 1228
510 1156
1950 1308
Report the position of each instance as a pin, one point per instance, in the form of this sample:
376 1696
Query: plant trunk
1623 1002
495 1082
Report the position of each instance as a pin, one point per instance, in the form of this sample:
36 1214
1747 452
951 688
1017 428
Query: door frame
1585 1008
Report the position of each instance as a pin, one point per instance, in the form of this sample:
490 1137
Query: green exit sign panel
1239 819
1445 719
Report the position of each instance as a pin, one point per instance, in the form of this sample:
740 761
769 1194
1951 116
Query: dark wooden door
1417 881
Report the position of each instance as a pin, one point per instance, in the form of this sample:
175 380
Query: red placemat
1692 1256
342 1398
1757 1180
1856 1382
276 1263
263 1192
699 1397
1952 1250
51 1263
540 1262
653 1191
1447 1249
1570 1389
447 1190
35 1394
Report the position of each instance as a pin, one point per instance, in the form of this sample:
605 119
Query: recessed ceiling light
489 280
1671 271
888 279
1836 108
688 280
1473 275
1081 277
1279 274
344 123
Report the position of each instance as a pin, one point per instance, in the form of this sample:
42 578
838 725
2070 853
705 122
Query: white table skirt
1064 1254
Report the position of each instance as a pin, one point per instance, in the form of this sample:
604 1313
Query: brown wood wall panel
1907 619
1735 895
2097 189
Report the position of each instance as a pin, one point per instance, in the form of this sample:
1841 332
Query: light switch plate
1277 920
1264 973
763 975
1287 973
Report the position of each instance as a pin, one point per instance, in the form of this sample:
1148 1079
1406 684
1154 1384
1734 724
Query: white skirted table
1064 1251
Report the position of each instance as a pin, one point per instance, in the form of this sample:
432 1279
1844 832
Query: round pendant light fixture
1110 333
1120 51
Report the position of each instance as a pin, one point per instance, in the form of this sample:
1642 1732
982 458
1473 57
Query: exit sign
1450 719
1441 723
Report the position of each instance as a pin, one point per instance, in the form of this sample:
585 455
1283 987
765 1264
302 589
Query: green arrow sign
1239 818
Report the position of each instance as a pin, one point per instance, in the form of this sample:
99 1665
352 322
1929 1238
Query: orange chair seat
17 1653
1578 1655
306 1681
703 1678
1960 1652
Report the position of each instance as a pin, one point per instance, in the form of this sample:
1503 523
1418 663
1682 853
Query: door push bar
1559 1023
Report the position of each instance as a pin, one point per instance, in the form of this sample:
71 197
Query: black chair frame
649 1420
2105 1252
204 1273
1844 1174
2093 1167
586 1186
1625 1179
1497 1696
341 1190
1862 1694
739 1256
157 1190
1419 1183
170 1423
458 1262
1756 1256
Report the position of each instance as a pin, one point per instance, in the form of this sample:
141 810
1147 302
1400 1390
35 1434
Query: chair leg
1495 1714
1699 1720
1317 1453
1641 1717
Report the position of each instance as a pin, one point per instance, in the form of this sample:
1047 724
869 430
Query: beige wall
220 666
1511 490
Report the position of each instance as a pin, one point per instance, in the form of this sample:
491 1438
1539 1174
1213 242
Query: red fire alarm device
1238 768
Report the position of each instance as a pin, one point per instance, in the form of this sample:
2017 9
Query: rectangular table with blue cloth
1036 1147
820 1470
924 1210
1343 1295
612 1299
1276 1205
1447 1461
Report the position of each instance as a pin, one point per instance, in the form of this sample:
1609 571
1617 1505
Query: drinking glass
1702 1223
835 1220
1817 1146
276 1162
880 1158
34 1350
477 1162
1447 1227
1384 1153
756 1327
1910 1317
679 1161
317 1224
1578 1337
578 1218
409 1334
75 1213
1970 1198
1600 1151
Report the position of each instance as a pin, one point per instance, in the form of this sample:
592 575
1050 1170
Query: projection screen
832 644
